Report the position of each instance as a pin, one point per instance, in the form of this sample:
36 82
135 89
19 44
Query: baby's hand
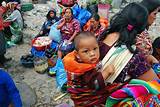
109 70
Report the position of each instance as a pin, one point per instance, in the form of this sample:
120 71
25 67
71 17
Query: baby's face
88 50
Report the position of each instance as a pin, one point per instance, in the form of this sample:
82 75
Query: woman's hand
61 24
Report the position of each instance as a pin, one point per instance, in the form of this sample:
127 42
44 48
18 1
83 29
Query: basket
27 61
41 47
41 65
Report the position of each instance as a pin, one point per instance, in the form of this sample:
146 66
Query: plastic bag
66 47
54 33
83 17
61 75
76 9
103 10
17 33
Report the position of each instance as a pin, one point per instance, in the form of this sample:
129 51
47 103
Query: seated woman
96 25
69 27
51 19
124 27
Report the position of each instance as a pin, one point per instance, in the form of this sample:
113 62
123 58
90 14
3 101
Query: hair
96 17
156 44
82 35
48 14
134 15
151 5
69 9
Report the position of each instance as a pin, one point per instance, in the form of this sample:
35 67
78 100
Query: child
8 91
86 83
51 19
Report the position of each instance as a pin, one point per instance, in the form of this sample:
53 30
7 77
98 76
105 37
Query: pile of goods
41 43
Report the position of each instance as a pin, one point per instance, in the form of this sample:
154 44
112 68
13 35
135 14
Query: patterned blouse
144 43
69 28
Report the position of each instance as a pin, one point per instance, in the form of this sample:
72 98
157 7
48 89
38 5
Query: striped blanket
137 93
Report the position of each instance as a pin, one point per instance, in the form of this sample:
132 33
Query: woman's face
152 17
94 23
68 14
51 14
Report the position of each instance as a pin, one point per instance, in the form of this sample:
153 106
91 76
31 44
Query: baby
85 81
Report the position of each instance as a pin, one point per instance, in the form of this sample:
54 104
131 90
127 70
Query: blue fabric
41 54
81 14
8 91
61 75
49 23
37 53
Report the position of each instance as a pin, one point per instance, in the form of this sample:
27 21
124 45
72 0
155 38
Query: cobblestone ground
40 89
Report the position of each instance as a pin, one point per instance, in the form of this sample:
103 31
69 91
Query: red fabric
2 11
67 3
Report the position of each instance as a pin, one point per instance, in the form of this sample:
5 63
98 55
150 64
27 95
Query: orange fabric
72 66
103 22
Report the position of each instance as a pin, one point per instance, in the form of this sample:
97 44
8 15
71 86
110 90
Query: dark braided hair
134 15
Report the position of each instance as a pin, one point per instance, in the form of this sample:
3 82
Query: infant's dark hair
82 35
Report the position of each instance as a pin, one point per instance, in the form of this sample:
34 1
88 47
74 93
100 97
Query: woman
96 25
69 26
16 20
3 59
51 19
123 30
143 41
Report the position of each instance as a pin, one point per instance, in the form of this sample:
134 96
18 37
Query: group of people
127 30
90 81
95 41
11 27
9 93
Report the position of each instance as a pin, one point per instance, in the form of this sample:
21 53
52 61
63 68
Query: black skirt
2 43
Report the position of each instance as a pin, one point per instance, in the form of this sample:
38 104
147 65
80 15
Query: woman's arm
62 22
149 75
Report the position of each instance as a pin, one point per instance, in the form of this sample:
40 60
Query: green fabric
26 7
17 32
150 89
